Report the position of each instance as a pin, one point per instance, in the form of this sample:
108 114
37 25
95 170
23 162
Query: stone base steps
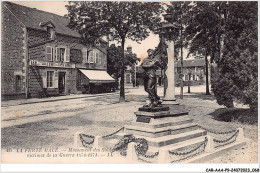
177 146
169 139
162 131
162 114
151 150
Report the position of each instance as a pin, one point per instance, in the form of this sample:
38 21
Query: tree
114 64
114 60
203 31
118 20
237 67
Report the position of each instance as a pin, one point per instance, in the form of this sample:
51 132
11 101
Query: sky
58 7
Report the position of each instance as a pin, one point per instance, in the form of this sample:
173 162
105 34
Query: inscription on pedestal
143 119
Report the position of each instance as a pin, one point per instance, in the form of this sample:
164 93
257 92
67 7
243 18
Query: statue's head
150 52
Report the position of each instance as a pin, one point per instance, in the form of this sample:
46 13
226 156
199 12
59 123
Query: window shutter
100 57
84 55
56 79
52 53
48 53
57 54
44 78
90 59
67 56
96 58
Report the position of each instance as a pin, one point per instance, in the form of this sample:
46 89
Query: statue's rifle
159 54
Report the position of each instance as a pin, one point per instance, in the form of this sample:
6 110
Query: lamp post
168 33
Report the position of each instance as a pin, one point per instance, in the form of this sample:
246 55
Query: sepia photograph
130 82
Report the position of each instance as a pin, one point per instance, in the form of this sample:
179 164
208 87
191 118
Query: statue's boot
157 103
153 104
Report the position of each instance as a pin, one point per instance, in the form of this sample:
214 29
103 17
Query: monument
165 127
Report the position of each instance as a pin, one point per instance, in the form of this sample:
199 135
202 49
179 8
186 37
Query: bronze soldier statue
155 60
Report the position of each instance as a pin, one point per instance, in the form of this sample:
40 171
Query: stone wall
35 83
36 88
13 57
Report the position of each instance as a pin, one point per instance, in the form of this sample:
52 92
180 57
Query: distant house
42 57
130 72
195 68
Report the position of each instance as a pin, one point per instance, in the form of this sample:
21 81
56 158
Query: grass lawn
207 113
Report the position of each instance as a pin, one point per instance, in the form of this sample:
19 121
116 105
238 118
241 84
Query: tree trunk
189 83
122 81
207 74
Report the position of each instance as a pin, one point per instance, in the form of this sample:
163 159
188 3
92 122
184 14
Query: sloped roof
191 63
32 18
186 63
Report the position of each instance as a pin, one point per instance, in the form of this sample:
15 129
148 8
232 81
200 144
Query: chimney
129 49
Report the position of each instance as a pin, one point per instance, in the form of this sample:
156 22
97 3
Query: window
62 54
49 53
186 77
95 56
128 78
50 32
91 57
50 77
18 83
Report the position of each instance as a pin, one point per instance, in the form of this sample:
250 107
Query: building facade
130 72
42 57
193 72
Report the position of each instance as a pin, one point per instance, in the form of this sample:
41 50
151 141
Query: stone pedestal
170 102
164 127
156 109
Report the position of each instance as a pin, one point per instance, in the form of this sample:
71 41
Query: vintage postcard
130 82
